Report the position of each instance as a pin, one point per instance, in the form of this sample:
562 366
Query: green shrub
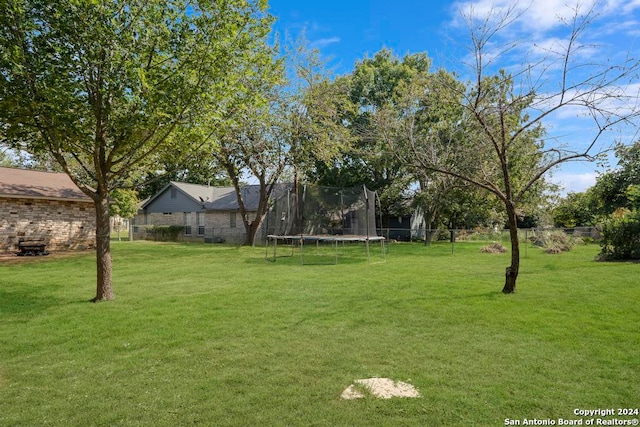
621 237
165 233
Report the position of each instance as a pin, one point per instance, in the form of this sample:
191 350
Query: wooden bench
32 246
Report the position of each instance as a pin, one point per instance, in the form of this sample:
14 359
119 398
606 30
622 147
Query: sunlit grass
216 335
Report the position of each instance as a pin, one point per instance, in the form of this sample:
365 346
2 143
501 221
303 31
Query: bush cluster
165 233
554 241
494 248
621 237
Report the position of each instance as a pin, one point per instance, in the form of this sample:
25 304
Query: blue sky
350 30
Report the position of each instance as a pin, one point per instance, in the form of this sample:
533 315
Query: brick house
36 204
206 214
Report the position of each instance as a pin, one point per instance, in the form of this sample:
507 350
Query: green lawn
216 335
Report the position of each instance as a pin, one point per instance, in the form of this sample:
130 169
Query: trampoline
327 218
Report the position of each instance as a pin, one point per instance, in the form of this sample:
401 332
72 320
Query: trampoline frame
334 240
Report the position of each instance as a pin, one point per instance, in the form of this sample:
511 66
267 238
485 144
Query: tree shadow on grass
25 302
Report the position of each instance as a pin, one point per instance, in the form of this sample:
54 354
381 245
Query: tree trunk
511 273
429 231
104 290
428 236
254 226
252 230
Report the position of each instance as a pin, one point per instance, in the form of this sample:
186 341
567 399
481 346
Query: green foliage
317 113
124 203
7 159
618 188
107 88
575 210
375 86
633 195
165 233
104 87
621 236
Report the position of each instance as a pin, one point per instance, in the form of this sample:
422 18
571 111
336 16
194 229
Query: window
188 222
232 219
200 222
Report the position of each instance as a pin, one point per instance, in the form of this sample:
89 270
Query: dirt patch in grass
382 388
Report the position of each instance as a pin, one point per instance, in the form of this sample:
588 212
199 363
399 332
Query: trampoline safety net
317 216
324 211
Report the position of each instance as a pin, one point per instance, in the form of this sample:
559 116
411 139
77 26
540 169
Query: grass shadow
25 302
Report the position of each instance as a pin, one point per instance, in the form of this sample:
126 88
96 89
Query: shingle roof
250 195
28 183
219 198
228 200
199 193
204 192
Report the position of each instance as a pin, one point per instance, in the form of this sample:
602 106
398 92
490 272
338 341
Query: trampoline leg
301 251
368 255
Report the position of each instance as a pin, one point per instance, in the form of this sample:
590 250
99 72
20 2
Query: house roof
228 200
216 198
196 192
33 184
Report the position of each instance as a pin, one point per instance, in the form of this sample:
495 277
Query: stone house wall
217 226
63 224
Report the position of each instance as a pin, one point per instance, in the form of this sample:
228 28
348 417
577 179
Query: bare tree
500 143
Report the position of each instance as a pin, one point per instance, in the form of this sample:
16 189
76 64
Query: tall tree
104 87
376 83
254 144
289 123
246 137
422 109
504 148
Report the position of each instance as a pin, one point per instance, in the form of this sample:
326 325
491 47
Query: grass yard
216 335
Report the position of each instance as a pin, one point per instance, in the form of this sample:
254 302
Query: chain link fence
484 234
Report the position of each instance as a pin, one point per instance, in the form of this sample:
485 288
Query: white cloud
628 6
534 16
608 103
574 182
320 43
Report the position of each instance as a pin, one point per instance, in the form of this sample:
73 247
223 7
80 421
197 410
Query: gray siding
181 203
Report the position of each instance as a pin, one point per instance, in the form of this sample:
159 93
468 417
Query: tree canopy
375 84
106 87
